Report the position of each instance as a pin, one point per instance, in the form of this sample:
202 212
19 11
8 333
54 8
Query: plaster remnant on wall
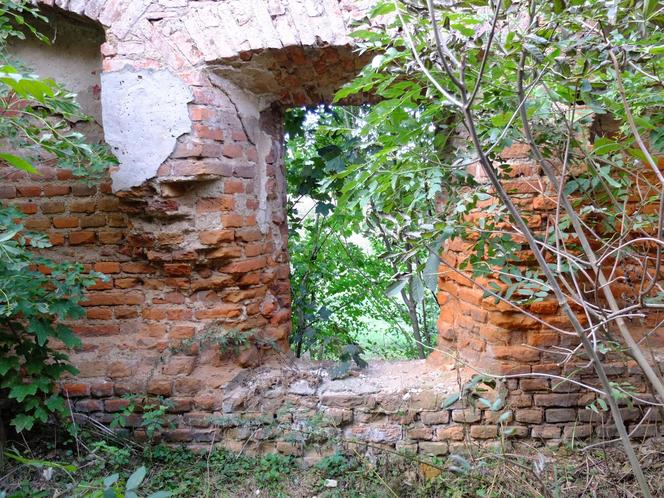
248 108
144 112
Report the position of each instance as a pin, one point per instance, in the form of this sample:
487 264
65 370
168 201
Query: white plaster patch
144 112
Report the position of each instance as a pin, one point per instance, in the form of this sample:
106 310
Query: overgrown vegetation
213 472
348 296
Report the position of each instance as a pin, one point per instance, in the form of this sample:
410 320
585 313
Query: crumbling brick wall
190 230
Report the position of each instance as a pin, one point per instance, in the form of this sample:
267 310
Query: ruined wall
190 229
496 336
190 226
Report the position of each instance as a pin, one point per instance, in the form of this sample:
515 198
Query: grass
215 472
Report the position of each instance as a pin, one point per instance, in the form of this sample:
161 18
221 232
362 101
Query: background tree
539 73
334 280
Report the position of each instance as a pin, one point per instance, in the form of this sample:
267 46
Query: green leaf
450 400
18 162
136 478
23 422
21 391
395 288
110 480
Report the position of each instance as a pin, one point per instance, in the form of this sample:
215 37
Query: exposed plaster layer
72 59
144 112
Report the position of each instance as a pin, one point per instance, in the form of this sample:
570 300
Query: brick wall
198 247
497 336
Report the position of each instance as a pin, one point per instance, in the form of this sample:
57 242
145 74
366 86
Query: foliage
37 294
323 144
185 473
152 414
551 75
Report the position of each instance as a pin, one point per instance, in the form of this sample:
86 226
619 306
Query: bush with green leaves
37 295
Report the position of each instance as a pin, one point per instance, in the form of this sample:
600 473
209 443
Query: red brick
221 311
93 221
34 223
65 222
107 267
201 113
109 204
7 192
178 269
97 330
546 432
213 237
89 405
110 237
101 389
82 190
233 186
27 207
77 238
137 268
203 131
113 298
29 191
64 174
222 203
160 386
116 405
179 365
516 353
249 234
56 239
53 207
54 190
537 384
232 220
232 151
76 390
124 312
245 266
483 431
126 283
530 415
99 313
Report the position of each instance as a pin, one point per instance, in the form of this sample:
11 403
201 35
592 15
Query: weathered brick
94 221
483 431
545 432
178 269
561 400
66 222
433 448
536 384
466 415
556 415
221 203
76 389
115 405
89 405
530 416
78 238
8 192
113 298
55 190
29 190
53 207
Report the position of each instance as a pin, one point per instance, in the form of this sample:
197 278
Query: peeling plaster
248 108
144 112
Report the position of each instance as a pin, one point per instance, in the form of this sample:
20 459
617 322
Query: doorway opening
359 290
